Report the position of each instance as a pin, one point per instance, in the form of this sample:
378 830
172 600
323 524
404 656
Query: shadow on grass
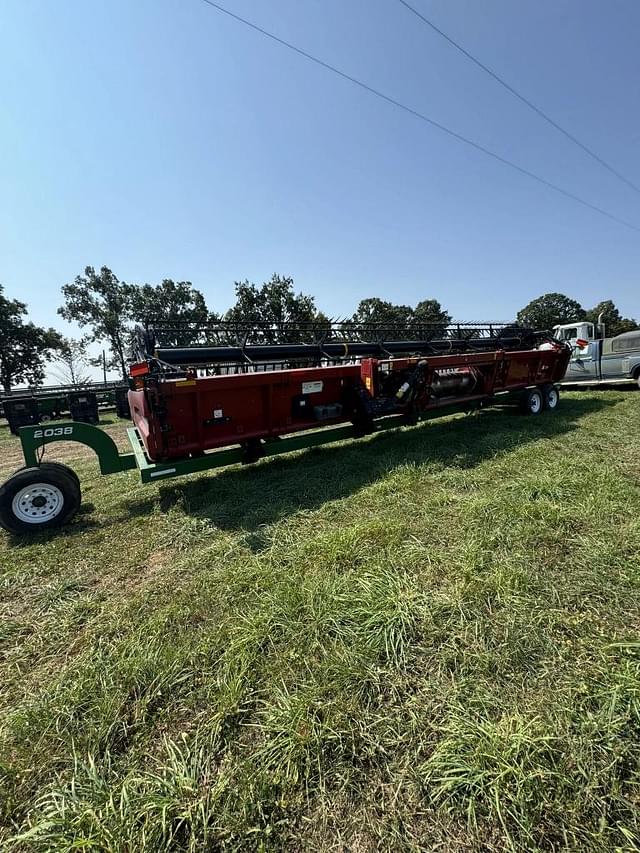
83 522
245 499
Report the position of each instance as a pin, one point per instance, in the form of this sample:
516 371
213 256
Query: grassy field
424 641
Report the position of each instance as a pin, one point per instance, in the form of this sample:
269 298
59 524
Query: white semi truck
597 359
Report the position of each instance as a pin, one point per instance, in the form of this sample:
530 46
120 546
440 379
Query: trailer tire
39 498
532 402
64 469
551 397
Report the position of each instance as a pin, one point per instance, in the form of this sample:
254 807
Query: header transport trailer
184 422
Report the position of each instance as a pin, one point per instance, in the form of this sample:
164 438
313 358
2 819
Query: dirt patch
134 579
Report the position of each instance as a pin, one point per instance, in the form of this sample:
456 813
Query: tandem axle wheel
535 400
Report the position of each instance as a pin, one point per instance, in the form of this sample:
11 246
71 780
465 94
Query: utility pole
104 367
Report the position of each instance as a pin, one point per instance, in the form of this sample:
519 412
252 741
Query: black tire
636 376
39 498
532 402
64 469
551 397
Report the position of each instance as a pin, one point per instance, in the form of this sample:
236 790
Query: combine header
224 394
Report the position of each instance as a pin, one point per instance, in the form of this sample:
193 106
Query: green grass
425 640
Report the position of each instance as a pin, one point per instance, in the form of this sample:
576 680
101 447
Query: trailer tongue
267 398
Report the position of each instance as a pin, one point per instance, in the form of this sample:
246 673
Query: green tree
402 321
379 312
275 311
550 310
430 313
71 362
614 323
24 347
176 306
102 303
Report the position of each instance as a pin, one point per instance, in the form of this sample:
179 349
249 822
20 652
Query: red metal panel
178 417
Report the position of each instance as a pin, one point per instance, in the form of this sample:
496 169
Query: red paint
171 414
176 418
140 369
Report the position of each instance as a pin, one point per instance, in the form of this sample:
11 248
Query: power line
520 97
420 115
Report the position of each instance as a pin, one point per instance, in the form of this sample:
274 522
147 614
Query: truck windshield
567 334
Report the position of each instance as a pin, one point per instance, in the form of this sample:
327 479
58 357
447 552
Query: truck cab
569 333
596 359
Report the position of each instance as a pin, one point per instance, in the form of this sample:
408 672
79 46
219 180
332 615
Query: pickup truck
596 359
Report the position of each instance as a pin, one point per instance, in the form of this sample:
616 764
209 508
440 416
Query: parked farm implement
81 402
234 395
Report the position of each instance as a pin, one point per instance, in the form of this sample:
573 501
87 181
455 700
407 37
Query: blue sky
163 139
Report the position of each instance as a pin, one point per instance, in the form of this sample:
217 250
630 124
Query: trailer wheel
40 498
551 398
532 402
64 469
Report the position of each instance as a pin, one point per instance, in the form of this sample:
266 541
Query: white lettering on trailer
52 432
312 387
162 473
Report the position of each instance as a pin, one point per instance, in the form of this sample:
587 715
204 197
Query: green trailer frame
45 494
113 461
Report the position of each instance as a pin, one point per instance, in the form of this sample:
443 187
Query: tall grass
425 641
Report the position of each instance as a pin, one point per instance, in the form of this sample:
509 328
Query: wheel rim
535 403
552 398
38 503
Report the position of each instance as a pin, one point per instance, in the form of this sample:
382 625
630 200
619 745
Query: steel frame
113 461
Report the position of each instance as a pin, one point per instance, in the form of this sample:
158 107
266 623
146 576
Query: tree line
556 309
107 309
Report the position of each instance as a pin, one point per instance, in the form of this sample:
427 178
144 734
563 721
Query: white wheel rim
38 503
535 403
552 398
